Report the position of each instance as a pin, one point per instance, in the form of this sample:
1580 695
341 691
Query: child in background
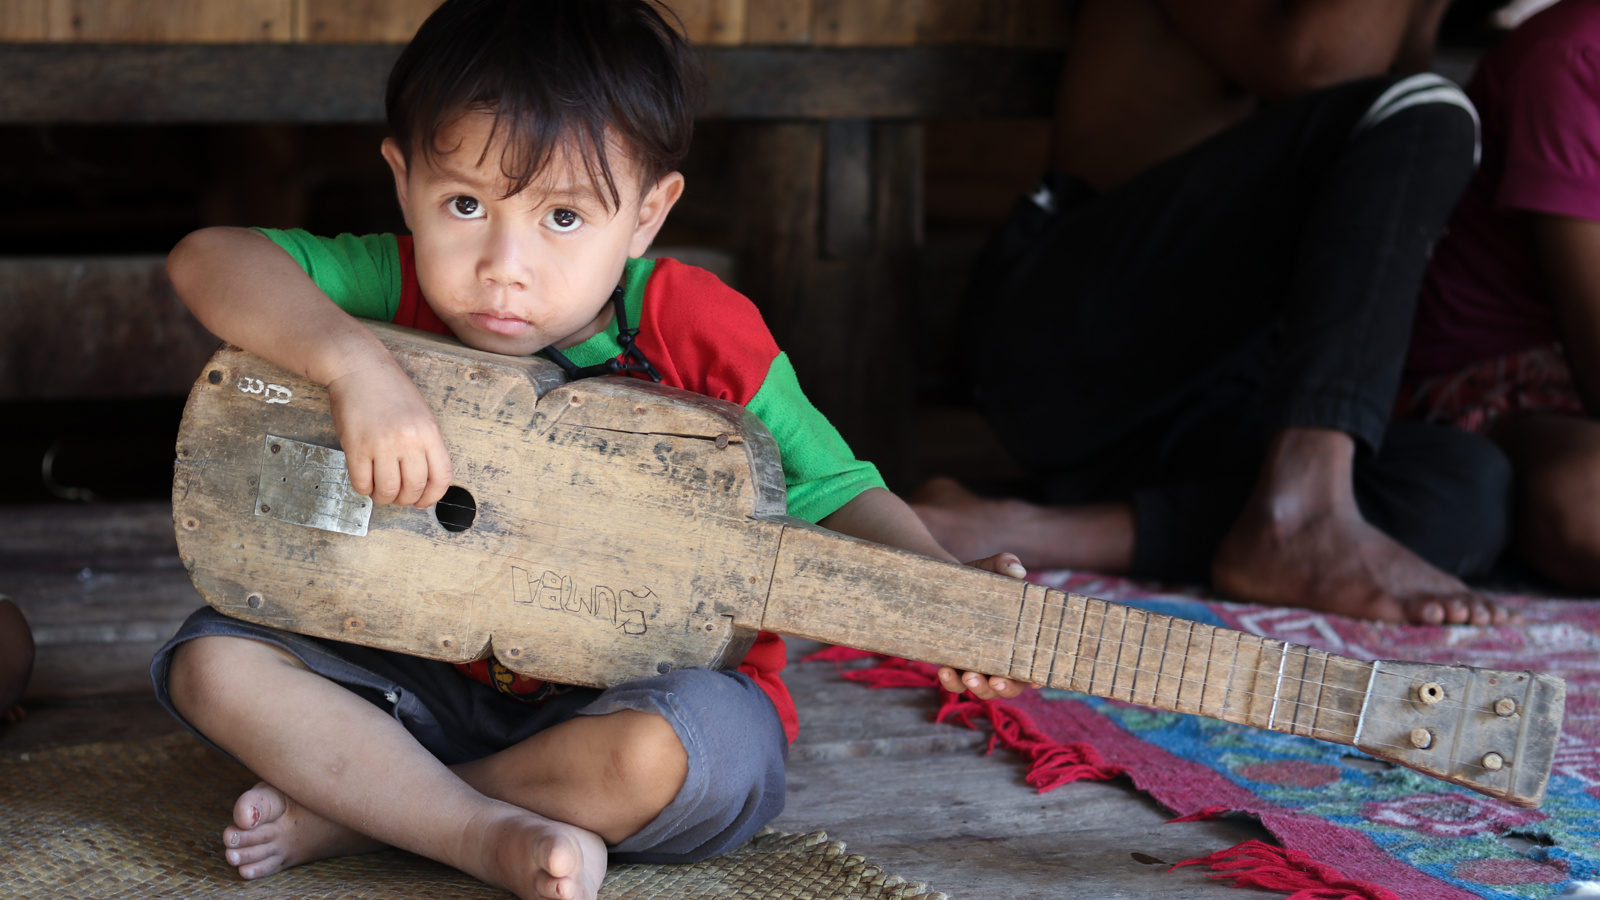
1506 341
534 149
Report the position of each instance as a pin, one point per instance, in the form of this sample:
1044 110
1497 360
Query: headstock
1492 731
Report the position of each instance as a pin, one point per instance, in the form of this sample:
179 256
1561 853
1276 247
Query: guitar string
1139 672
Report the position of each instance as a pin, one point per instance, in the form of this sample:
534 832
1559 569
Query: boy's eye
563 220
466 207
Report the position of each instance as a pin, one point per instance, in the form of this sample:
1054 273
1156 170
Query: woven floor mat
143 819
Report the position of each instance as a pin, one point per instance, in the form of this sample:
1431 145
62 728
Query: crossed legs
341 776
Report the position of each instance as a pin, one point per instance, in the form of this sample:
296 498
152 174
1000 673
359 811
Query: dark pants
1147 343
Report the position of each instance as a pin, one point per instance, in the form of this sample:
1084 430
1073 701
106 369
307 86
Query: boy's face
516 274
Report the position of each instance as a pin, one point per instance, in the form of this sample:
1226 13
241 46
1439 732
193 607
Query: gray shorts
729 727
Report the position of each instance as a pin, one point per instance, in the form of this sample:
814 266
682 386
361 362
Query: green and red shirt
700 335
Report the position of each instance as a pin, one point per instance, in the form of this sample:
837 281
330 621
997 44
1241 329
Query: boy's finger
413 482
385 481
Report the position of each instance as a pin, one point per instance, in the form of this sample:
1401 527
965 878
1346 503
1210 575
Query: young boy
534 151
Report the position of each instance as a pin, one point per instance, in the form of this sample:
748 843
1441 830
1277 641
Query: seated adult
1192 333
1507 335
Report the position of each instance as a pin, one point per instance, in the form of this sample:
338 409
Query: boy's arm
882 517
247 291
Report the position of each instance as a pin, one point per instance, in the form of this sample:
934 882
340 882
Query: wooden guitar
606 529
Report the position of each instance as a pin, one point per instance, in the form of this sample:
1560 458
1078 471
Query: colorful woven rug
1347 826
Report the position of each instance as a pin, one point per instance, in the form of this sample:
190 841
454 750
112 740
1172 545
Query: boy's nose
504 261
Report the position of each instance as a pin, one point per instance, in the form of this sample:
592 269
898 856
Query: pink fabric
1538 94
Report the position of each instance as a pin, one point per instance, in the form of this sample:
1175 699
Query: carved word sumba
272 393
558 593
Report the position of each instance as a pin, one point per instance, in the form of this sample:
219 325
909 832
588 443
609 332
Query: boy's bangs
558 76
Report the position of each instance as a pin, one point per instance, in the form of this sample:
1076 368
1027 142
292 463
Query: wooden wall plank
866 23
778 22
1038 23
197 21
360 21
712 22
24 20
95 327
964 22
42 83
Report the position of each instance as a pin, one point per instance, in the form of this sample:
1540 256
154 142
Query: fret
1160 681
1068 641
1308 699
1215 697
1113 632
1175 652
1254 678
1090 638
1130 649
1051 629
1196 668
1026 637
1339 704
1152 647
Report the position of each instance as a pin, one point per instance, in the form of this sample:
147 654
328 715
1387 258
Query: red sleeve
413 311
704 336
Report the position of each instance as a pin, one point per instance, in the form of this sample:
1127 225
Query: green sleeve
821 472
360 273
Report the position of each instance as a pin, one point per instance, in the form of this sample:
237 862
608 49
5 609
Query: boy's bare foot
1301 541
1098 537
533 857
271 832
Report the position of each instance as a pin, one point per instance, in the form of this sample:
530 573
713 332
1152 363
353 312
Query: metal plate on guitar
305 484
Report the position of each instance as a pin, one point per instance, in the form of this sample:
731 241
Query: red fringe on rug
1261 865
1051 764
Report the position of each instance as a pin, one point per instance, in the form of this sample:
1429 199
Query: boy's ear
397 165
653 209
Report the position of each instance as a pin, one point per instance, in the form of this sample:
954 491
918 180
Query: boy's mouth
510 327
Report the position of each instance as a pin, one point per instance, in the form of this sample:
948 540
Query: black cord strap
632 359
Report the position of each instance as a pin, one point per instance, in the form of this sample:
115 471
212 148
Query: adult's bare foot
1296 545
1098 536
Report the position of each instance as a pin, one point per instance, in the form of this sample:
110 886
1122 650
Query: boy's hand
987 687
391 439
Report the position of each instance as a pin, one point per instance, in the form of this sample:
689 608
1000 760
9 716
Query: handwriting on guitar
272 393
558 593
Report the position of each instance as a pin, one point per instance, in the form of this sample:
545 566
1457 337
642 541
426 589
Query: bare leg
16 659
1301 541
1096 536
344 777
1557 461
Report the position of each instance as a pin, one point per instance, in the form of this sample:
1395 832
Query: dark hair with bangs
552 73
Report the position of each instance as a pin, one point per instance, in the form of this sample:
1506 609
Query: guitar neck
1453 722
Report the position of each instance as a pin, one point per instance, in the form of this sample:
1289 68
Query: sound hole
456 509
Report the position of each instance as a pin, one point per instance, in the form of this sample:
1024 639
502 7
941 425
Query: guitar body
598 531
609 529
